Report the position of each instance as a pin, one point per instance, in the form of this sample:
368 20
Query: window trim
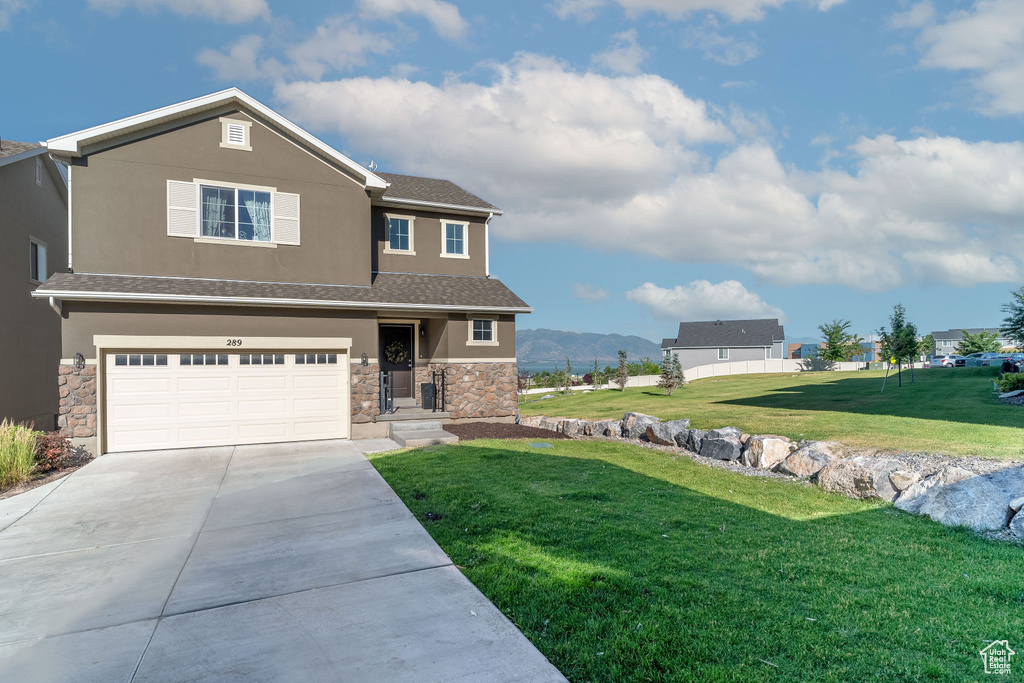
224 122
494 331
411 251
720 356
465 239
32 262
208 239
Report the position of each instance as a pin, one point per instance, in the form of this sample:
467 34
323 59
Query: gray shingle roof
388 290
9 148
958 334
727 333
431 190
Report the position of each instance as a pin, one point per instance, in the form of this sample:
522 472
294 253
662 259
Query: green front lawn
625 564
944 411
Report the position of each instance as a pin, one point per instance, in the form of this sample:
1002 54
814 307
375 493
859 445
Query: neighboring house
725 341
793 350
235 280
33 245
946 341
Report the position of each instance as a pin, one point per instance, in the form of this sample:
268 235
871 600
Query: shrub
53 452
1011 382
17 453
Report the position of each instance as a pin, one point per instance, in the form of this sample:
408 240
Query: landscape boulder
956 496
1017 525
531 421
861 476
634 425
766 451
603 428
901 480
667 433
722 444
550 423
692 440
570 427
809 459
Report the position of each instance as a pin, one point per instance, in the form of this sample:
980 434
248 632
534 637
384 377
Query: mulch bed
81 459
467 431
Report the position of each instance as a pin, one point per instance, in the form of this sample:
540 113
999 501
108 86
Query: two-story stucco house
232 279
946 341
725 341
33 245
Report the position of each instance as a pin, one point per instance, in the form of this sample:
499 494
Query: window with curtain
235 214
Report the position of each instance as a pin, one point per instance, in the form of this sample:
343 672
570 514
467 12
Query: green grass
943 411
17 453
625 564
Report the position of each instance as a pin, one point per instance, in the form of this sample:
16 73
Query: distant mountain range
554 345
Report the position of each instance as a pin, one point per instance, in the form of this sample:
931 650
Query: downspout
69 220
55 305
487 245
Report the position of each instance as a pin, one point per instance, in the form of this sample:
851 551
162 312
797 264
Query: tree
927 346
677 370
855 348
669 380
900 342
596 376
978 343
835 338
622 374
1013 323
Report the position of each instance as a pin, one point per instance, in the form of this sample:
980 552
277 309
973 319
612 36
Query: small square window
483 330
300 359
279 359
121 360
723 354
161 359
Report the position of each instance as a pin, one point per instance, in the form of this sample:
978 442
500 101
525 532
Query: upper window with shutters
207 210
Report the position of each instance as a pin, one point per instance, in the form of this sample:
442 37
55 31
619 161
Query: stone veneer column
481 389
77 413
365 391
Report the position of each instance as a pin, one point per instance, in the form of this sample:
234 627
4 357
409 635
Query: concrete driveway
287 562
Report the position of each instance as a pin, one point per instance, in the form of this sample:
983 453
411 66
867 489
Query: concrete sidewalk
285 562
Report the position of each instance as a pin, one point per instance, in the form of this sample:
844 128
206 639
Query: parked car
953 361
983 359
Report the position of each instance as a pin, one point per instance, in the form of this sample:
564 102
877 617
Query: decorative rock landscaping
984 495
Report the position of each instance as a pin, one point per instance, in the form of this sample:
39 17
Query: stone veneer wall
77 412
474 389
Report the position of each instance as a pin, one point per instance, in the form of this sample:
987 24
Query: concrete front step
402 414
417 438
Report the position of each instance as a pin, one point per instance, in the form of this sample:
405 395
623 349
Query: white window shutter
182 209
286 218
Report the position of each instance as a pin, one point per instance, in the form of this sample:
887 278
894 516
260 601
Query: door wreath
396 353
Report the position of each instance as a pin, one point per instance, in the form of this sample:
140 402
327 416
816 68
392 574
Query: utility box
428 395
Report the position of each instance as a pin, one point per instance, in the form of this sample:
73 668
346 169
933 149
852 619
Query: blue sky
657 160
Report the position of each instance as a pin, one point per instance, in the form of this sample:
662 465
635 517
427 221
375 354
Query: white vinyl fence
741 367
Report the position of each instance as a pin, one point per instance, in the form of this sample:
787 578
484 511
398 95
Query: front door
396 358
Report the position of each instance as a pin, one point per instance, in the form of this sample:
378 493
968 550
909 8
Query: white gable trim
73 143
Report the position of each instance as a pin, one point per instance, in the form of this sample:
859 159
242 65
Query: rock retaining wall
983 495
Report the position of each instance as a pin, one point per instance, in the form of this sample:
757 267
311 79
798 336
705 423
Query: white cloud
588 293
624 56
735 10
738 84
633 163
227 11
702 300
727 50
987 40
444 17
9 8
241 62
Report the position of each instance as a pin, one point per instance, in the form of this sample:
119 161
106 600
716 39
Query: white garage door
179 400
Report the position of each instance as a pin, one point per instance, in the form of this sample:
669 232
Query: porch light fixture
364 360
79 361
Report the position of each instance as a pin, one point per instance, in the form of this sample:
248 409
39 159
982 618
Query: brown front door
396 358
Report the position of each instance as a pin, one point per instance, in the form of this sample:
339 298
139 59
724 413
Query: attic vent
236 134
39 172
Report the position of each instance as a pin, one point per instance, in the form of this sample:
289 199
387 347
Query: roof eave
68 295
398 203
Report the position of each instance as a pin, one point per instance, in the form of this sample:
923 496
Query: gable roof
389 290
431 193
11 151
726 333
73 144
958 334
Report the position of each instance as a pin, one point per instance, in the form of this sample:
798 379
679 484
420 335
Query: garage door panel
175 405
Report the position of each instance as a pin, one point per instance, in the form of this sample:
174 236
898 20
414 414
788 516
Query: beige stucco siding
427 245
460 348
29 328
120 209
85 320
